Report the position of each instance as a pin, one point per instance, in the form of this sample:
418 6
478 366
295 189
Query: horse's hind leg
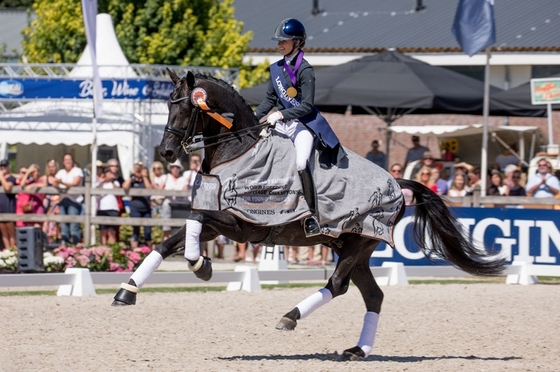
336 286
373 298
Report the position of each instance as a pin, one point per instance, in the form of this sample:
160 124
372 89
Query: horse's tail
436 231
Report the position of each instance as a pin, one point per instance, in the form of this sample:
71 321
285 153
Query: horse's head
202 108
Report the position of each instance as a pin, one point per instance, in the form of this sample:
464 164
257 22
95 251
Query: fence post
87 212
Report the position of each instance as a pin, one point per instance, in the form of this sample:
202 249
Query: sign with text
48 88
530 235
544 91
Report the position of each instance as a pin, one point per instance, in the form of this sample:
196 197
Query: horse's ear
173 76
190 80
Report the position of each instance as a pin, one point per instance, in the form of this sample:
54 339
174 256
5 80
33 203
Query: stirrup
311 226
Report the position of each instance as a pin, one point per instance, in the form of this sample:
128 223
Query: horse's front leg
200 265
127 293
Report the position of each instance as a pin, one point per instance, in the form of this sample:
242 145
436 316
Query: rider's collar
290 59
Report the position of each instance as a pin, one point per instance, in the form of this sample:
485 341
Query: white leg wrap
313 302
147 267
367 337
192 240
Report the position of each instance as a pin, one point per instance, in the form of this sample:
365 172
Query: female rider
291 90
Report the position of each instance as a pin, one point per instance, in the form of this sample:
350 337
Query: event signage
48 88
530 235
545 91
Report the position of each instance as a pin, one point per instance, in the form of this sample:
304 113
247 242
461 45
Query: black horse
200 108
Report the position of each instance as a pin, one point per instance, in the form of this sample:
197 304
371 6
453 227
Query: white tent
133 127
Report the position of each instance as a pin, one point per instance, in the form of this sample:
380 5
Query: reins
190 138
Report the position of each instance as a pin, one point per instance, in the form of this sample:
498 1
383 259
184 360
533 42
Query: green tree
180 32
15 3
57 34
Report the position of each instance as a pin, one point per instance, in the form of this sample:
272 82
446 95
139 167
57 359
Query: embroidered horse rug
262 186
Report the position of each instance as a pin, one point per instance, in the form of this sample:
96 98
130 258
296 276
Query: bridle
190 138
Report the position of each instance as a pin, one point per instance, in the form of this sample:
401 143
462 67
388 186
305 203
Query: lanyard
293 72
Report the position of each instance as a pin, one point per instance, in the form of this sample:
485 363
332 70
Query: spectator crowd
504 179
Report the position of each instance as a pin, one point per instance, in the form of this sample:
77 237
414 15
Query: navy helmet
290 29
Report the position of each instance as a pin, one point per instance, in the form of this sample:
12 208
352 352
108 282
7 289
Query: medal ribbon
293 72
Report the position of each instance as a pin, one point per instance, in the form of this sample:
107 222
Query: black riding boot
311 224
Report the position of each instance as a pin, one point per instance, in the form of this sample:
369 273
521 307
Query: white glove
274 117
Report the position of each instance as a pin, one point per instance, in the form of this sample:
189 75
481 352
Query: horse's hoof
354 353
202 268
286 324
125 296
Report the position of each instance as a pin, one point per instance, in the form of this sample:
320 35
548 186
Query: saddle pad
263 187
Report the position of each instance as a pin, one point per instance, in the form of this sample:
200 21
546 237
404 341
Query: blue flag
474 26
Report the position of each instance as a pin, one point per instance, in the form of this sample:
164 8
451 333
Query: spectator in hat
415 152
376 156
426 161
99 167
7 204
508 173
461 168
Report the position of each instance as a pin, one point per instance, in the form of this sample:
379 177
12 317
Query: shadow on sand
372 358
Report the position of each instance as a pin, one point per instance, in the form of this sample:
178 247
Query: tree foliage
178 32
15 3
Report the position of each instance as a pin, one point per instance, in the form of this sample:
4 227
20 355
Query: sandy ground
453 327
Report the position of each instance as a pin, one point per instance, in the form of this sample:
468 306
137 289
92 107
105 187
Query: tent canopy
130 125
517 102
527 139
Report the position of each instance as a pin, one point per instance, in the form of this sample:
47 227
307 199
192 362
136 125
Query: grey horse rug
263 187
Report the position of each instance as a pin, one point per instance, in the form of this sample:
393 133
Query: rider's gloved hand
274 117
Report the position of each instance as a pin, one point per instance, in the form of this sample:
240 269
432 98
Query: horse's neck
235 147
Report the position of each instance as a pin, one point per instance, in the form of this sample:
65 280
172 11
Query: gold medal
292 92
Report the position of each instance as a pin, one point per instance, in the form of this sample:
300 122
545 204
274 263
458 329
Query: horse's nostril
166 154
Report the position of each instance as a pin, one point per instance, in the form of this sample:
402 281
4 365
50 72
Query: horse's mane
223 84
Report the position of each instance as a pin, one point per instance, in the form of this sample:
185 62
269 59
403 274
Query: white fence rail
80 282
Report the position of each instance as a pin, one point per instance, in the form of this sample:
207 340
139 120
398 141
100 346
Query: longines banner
48 88
529 235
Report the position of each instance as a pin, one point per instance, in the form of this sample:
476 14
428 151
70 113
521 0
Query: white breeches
302 139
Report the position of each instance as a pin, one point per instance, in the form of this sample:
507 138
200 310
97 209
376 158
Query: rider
292 89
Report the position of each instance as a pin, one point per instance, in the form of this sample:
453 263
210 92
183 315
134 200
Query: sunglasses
396 170
516 177
425 174
158 168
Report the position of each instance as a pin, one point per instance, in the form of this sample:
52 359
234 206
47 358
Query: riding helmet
290 29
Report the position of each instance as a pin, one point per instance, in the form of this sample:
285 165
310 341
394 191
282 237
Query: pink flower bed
102 258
